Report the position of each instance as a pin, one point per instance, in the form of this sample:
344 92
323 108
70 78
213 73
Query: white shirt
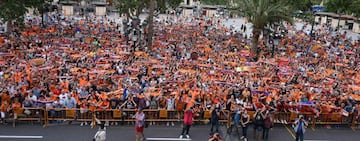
170 103
63 98
239 101
100 135
33 98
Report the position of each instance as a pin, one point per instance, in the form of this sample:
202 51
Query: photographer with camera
101 133
258 123
299 127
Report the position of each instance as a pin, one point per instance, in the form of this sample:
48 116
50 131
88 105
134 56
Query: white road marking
167 139
316 140
20 137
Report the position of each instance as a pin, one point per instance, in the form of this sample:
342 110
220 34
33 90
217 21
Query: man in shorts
139 125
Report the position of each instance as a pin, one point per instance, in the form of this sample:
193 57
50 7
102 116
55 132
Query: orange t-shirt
5 97
16 107
92 107
103 96
105 104
83 82
3 107
17 77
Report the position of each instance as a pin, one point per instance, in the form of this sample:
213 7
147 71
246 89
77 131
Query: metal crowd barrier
30 115
154 115
334 118
60 115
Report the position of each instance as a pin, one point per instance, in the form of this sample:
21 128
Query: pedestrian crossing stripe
20 137
167 139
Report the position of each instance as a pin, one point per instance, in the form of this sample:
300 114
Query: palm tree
262 13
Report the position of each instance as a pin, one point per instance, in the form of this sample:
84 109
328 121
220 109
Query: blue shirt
237 119
125 93
300 127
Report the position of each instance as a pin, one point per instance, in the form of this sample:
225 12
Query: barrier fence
59 115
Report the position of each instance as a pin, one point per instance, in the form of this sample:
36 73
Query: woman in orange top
16 108
3 110
104 105
92 103
5 97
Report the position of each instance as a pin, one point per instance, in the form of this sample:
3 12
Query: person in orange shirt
65 85
103 106
16 108
83 82
5 97
17 76
4 108
92 103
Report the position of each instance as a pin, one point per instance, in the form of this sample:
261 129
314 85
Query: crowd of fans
194 62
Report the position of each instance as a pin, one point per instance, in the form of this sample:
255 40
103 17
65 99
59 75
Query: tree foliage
215 2
132 7
16 9
340 6
343 6
356 8
163 5
262 13
304 5
173 3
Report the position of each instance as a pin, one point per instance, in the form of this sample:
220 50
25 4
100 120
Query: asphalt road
197 133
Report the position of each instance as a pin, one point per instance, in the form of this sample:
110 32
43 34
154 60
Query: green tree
132 8
356 8
340 7
262 13
214 2
14 10
162 5
343 6
304 5
173 3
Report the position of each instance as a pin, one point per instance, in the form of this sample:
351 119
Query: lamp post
312 25
126 30
136 30
143 27
275 36
276 39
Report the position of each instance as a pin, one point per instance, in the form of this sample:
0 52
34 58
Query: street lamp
143 25
277 37
125 30
312 25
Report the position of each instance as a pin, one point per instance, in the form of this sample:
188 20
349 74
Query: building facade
346 22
